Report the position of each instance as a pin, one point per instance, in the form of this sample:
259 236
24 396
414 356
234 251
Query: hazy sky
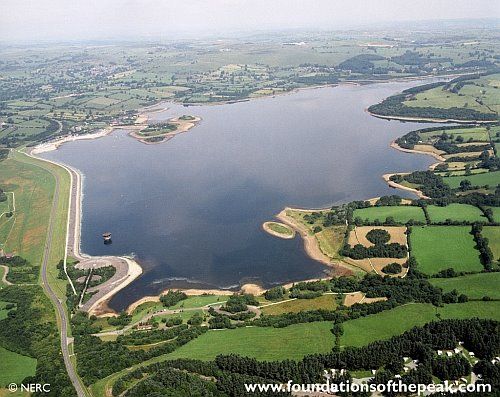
90 19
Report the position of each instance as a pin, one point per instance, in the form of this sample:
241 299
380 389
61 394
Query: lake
191 209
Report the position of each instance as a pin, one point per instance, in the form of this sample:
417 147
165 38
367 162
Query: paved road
55 300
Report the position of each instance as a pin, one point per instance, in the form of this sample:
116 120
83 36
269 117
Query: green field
492 233
475 286
364 330
400 213
292 342
441 247
477 134
294 306
455 212
15 367
488 178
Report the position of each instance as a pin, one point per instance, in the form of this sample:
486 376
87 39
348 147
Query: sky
34 20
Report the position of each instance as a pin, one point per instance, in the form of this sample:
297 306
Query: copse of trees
485 254
392 250
392 268
431 184
172 297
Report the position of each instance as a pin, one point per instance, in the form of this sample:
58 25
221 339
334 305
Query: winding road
61 311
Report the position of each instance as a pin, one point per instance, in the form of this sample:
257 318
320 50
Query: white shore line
431 120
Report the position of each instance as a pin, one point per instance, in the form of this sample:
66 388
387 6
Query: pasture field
199 301
263 343
475 286
15 367
383 325
479 95
441 247
33 188
488 178
456 212
492 233
400 213
327 302
478 134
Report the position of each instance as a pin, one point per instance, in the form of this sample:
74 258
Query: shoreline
429 119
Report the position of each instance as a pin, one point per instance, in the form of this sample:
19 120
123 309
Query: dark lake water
191 209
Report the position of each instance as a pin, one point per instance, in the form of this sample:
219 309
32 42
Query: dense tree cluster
359 251
431 184
485 253
392 268
172 297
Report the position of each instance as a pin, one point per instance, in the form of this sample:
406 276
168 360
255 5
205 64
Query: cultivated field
358 235
455 212
400 213
441 247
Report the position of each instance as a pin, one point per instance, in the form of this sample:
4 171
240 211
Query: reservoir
191 209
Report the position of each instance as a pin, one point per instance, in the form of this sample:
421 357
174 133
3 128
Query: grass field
401 213
15 367
488 178
477 134
492 233
384 325
33 189
292 342
455 212
323 302
441 247
475 286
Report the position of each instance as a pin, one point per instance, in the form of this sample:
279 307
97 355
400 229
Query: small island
160 132
279 229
